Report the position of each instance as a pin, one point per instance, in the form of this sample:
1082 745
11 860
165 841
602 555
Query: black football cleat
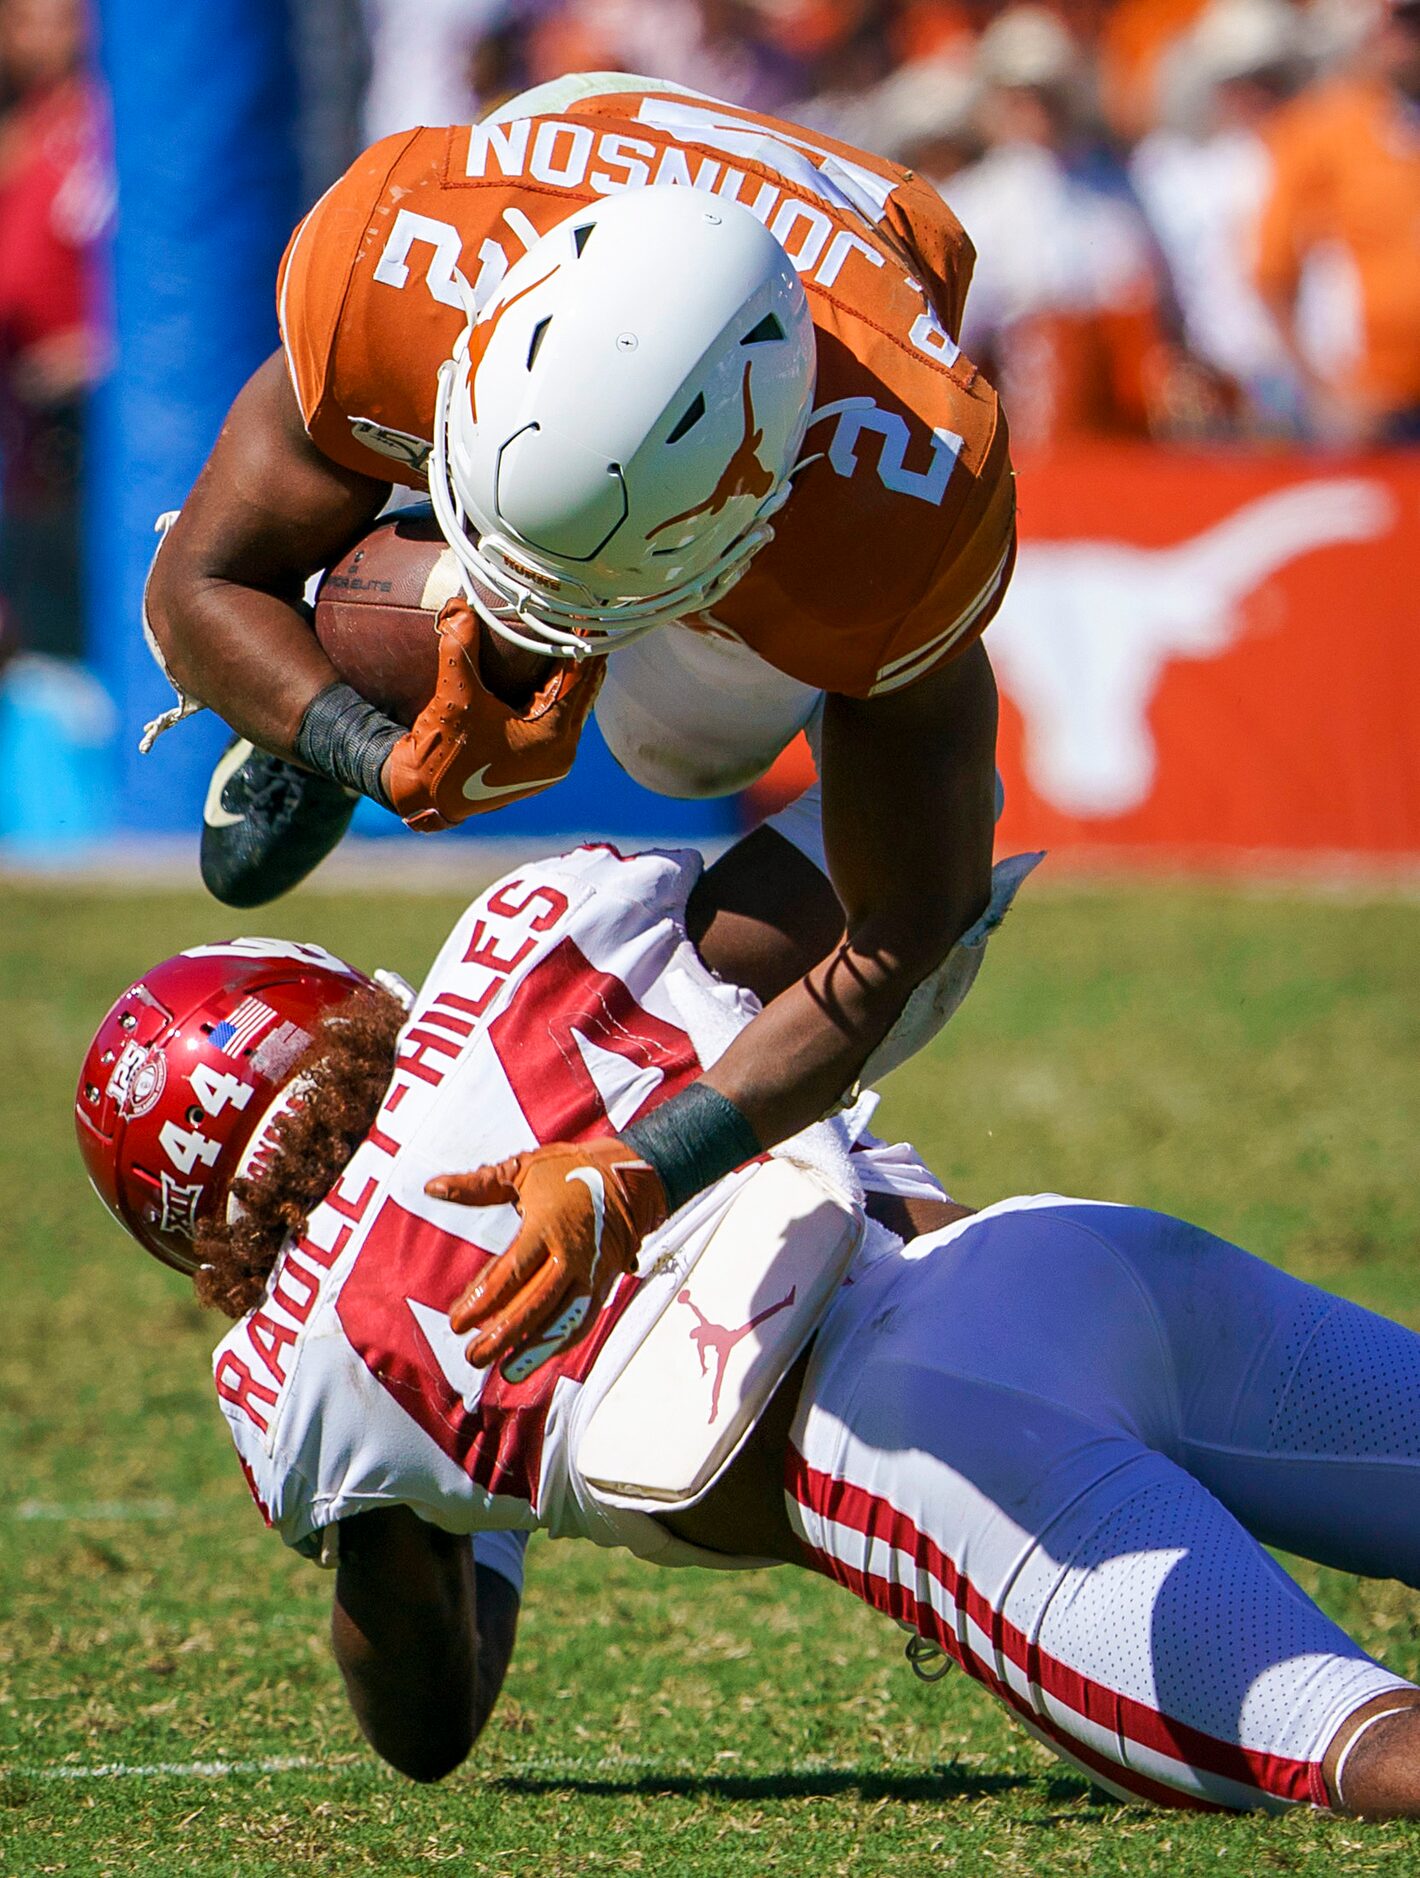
266 825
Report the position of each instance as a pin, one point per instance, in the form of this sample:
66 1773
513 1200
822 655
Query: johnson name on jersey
895 549
565 1002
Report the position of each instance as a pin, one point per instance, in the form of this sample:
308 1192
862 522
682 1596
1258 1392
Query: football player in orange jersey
684 387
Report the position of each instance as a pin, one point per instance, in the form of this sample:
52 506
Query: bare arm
763 915
422 1639
225 600
908 788
908 801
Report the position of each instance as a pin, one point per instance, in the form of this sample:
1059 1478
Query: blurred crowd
55 200
1195 219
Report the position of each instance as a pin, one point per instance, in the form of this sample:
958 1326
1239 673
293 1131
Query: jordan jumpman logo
716 1337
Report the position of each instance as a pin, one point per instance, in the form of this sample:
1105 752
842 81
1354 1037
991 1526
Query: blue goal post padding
205 100
205 161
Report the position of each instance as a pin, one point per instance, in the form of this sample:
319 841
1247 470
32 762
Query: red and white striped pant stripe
916 1583
996 1445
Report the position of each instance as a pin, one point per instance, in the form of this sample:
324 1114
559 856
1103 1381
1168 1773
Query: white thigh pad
708 1363
689 713
943 992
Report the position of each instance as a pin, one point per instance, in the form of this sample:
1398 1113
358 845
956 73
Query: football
375 612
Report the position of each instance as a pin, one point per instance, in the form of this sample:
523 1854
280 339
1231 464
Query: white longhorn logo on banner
1088 628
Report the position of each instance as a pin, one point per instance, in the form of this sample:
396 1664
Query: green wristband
693 1140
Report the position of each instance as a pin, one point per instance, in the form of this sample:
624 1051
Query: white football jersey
565 1002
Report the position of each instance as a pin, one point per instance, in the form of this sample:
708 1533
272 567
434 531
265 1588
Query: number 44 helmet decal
186 1071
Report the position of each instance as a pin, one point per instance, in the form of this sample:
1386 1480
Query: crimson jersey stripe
564 996
498 1437
875 1518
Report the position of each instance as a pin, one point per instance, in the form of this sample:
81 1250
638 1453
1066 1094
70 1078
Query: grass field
1248 1061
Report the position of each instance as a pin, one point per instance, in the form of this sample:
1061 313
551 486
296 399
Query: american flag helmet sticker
237 1032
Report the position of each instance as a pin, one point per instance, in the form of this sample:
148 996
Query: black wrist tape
343 737
692 1141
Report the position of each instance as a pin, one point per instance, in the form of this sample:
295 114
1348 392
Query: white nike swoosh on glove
591 1179
213 813
477 790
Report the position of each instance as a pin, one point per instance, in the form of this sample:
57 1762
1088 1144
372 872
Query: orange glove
468 752
586 1207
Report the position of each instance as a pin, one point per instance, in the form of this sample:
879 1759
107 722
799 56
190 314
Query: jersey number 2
445 246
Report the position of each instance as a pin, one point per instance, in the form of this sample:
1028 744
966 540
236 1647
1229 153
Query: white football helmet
621 419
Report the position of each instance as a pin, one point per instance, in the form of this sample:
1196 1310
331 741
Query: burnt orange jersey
1346 174
895 546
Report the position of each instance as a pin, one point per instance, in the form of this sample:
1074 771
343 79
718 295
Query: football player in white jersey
1049 1438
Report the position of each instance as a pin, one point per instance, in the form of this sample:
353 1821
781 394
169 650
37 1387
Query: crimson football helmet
186 1073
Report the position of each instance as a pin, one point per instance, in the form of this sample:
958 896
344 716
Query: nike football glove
468 752
585 1208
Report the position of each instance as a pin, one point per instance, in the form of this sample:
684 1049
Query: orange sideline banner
1209 661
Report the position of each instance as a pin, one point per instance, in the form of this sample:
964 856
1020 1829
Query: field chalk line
80 1512
553 1768
191 1770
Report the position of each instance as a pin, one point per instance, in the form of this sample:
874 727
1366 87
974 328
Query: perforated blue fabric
1053 1441
1349 1385
1169 1600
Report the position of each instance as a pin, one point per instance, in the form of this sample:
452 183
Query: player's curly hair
346 1072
